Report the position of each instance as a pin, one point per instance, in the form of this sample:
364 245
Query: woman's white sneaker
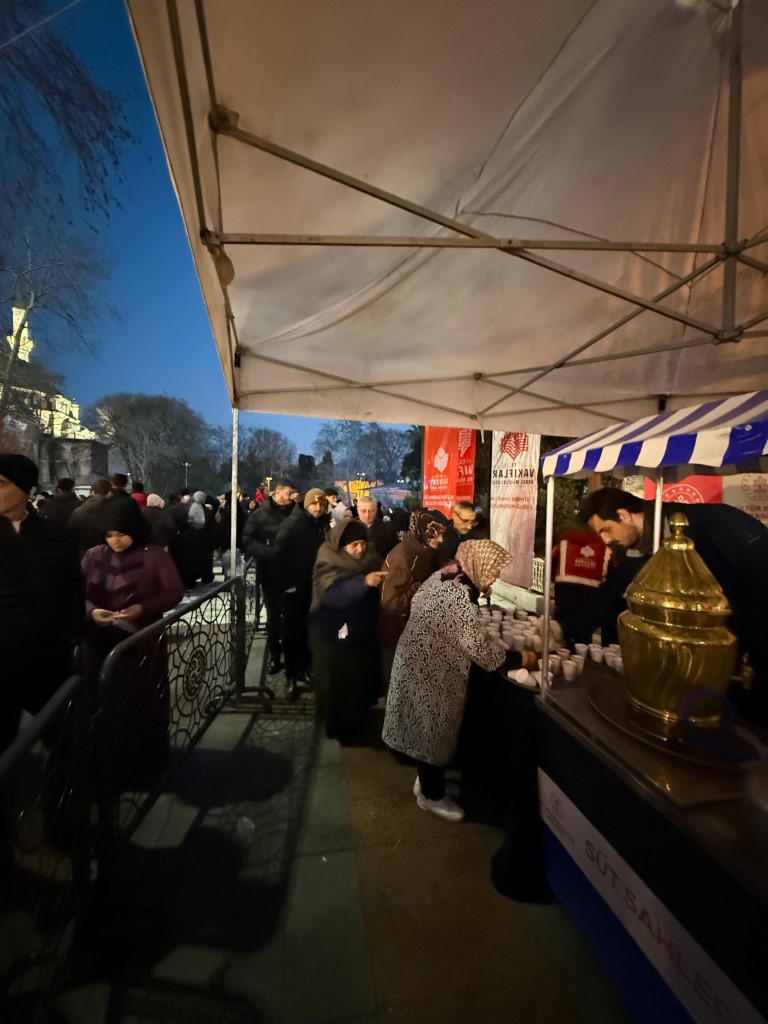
445 808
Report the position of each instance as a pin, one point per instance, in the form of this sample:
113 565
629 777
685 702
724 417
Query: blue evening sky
163 342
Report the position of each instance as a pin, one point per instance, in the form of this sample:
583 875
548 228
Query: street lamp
186 466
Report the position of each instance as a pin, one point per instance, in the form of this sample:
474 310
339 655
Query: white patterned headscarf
196 511
482 561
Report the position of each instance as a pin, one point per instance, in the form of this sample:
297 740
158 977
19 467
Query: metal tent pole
657 509
733 169
233 501
548 541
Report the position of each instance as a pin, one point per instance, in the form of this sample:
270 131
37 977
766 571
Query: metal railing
158 692
253 601
111 748
45 847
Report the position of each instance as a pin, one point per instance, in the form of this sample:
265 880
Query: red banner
449 467
693 490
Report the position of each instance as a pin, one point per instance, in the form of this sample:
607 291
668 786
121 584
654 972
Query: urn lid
675 586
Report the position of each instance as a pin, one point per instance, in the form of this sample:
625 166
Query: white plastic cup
554 661
597 654
581 649
564 652
619 666
570 670
518 675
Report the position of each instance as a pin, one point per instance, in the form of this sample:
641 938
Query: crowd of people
76 579
371 608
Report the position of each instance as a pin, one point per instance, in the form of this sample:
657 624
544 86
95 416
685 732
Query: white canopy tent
539 215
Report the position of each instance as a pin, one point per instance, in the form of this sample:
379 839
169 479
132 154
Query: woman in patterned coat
428 690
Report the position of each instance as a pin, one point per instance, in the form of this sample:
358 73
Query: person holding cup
430 673
342 629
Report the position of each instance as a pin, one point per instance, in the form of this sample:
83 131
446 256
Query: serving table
660 859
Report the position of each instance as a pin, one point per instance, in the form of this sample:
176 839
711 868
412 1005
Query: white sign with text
701 986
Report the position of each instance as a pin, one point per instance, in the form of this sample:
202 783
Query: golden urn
674 640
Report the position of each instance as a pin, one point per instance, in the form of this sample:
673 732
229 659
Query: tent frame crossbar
224 122
440 242
566 360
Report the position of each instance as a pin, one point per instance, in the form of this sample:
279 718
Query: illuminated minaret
26 343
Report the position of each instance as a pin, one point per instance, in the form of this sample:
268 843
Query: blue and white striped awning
724 436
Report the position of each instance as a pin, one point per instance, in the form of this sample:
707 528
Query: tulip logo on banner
449 467
440 460
514 494
514 444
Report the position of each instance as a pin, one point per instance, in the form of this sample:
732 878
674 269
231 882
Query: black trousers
294 607
273 607
432 780
28 687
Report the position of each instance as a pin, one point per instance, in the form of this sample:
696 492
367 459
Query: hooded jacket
344 607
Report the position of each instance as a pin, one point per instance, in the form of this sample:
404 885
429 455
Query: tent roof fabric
729 434
504 214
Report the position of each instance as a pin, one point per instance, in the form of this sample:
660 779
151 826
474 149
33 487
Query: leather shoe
291 690
274 666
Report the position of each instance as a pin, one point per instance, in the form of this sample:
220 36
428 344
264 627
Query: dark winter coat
734 546
451 540
261 531
41 593
341 599
60 508
298 541
161 525
382 536
221 531
85 523
342 631
407 566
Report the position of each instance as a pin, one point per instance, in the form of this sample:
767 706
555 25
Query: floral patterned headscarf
426 524
482 561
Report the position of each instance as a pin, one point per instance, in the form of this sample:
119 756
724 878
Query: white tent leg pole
548 541
233 502
657 509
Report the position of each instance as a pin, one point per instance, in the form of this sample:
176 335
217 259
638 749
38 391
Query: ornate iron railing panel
253 602
158 692
45 845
